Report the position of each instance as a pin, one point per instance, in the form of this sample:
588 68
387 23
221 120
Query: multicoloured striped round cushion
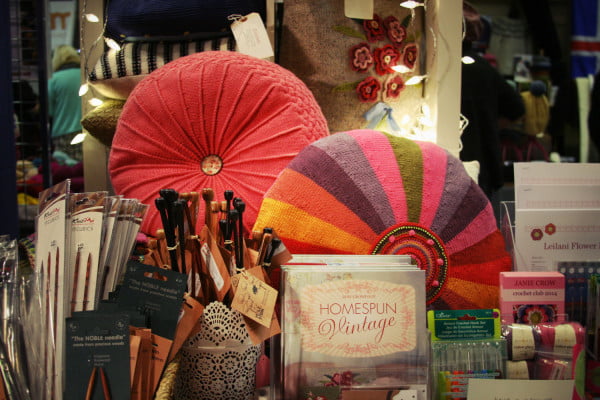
367 192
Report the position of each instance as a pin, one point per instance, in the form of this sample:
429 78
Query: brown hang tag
192 310
216 266
160 351
134 353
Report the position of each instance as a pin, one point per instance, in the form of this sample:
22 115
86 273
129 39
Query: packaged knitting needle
114 256
109 229
12 361
88 211
53 238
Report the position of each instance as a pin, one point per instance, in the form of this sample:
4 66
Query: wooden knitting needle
208 195
76 277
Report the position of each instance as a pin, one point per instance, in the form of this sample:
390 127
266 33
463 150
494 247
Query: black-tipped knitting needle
178 210
233 217
240 206
161 205
275 243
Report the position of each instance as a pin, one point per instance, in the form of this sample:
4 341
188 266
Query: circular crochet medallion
215 119
425 248
365 191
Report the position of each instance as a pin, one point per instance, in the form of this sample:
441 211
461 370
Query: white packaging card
516 389
542 173
529 196
545 237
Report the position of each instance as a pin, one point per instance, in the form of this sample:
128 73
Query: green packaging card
97 356
154 293
464 324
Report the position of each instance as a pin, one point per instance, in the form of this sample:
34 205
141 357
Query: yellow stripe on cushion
291 222
485 296
301 192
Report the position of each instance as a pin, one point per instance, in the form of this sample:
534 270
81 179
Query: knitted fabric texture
217 119
363 191
101 122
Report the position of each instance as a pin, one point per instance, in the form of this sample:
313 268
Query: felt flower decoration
368 89
396 33
393 86
374 29
385 58
361 58
409 55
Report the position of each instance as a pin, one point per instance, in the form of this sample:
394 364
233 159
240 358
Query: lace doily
220 361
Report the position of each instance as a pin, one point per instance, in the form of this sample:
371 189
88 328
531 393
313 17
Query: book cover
528 297
353 326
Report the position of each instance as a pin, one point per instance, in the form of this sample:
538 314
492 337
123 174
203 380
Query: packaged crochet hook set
466 344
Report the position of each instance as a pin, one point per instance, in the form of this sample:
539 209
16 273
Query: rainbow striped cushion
367 192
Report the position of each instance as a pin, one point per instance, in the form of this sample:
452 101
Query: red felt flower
395 31
393 87
536 234
360 57
385 58
368 89
374 29
550 229
409 55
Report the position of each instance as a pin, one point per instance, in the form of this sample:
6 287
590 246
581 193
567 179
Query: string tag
254 298
251 36
359 9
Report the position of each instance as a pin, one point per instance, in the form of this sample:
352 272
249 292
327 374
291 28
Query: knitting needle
233 217
178 211
240 206
86 288
91 382
161 205
275 243
105 386
76 278
208 195
228 194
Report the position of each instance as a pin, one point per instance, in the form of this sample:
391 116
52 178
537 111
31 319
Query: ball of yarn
560 338
519 369
522 341
215 119
368 192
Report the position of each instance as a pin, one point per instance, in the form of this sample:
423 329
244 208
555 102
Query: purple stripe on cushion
464 215
340 180
454 192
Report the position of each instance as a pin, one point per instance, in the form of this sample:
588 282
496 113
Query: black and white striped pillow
118 71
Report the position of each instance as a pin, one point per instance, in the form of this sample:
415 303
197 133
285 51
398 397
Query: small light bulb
95 102
83 89
401 68
112 44
414 80
92 17
467 60
410 4
80 137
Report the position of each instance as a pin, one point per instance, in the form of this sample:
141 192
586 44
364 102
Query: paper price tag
254 298
360 9
252 37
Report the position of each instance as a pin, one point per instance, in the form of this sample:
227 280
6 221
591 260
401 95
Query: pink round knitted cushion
216 119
